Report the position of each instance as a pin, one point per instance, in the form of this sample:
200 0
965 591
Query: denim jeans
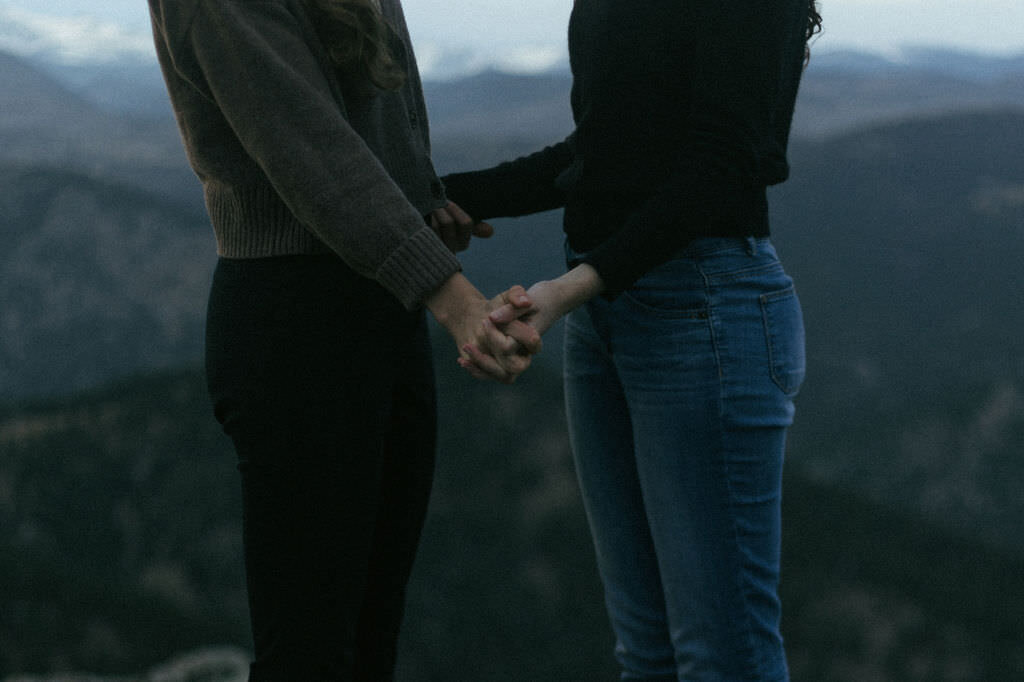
679 393
325 385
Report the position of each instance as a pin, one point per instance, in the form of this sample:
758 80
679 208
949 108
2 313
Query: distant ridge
931 59
903 225
97 279
29 97
44 123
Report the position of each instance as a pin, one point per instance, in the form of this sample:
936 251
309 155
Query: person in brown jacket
305 122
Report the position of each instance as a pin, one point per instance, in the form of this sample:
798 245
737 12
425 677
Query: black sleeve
743 51
526 185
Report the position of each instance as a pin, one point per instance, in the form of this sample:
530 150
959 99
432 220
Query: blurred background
903 226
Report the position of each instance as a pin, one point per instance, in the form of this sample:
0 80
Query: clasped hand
503 345
534 310
513 328
497 339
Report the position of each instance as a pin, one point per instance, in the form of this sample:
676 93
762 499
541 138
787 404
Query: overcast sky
535 29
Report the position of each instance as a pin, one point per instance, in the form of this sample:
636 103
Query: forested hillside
120 548
902 224
97 280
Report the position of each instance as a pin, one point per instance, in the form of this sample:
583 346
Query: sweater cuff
417 267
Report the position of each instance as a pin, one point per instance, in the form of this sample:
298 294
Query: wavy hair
813 27
358 40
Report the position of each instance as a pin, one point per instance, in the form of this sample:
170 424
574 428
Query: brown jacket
290 162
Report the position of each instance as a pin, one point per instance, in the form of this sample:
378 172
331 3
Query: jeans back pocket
784 329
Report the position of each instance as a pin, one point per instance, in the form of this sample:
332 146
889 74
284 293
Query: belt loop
751 246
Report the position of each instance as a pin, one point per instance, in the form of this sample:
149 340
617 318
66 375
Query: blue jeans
679 393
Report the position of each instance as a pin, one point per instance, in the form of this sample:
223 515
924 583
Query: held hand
500 355
455 227
548 301
511 344
546 306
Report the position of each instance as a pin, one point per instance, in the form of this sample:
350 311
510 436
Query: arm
745 64
455 227
259 93
463 312
253 62
526 185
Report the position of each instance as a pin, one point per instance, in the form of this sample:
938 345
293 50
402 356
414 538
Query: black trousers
325 385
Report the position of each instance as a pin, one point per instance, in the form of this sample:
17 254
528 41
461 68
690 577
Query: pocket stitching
790 388
681 313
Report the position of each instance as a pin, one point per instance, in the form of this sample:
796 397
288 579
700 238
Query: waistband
700 247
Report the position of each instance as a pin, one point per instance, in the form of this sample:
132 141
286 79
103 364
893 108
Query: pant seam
751 666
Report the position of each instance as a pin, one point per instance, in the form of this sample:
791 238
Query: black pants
326 387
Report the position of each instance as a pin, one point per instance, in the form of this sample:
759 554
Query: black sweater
682 112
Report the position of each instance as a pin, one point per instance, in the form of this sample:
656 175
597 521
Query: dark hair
813 27
357 38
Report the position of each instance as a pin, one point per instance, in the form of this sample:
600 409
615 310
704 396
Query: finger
525 335
512 365
450 236
462 225
515 365
441 216
472 369
483 230
464 233
457 214
444 226
497 342
485 363
516 295
507 313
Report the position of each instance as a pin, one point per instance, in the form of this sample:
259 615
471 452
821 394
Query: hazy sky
994 26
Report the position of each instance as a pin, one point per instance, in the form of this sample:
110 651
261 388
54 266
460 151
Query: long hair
813 27
357 38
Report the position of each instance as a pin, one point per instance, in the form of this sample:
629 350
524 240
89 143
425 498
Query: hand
500 355
539 314
455 227
546 306
548 301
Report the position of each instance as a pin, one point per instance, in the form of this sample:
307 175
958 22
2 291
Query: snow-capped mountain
76 44
71 39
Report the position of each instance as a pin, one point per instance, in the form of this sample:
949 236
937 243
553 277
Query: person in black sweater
684 341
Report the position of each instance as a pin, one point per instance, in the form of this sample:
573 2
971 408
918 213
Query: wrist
450 302
578 286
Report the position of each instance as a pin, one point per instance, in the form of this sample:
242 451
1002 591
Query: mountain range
903 226
120 546
108 253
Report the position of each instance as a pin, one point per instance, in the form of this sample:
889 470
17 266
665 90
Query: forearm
462 310
551 299
290 135
514 188
576 287
686 207
452 302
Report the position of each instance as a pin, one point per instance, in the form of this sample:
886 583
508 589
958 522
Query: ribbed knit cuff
251 221
417 268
